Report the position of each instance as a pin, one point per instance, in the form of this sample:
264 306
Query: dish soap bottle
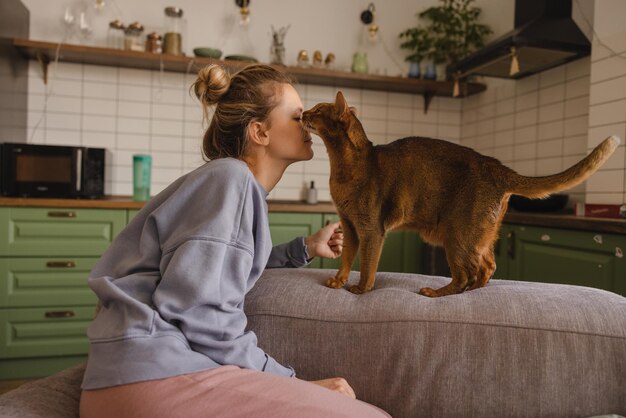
311 194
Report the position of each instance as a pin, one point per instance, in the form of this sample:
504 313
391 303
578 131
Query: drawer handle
61 264
60 314
61 214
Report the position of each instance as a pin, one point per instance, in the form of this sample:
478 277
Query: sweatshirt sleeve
291 254
201 291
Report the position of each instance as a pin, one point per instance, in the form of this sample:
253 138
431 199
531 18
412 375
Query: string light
244 12
367 17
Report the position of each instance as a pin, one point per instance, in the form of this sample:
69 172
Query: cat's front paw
357 290
334 283
427 291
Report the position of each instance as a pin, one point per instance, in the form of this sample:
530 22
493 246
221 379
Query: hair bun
212 82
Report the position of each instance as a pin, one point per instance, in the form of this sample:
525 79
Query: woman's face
288 140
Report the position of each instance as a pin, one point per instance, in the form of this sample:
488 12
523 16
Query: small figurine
329 62
303 58
317 59
277 51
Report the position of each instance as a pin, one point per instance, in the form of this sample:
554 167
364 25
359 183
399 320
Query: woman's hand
327 242
336 384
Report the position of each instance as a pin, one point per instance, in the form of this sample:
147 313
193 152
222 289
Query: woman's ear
258 134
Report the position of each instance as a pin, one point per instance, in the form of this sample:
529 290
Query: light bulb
244 16
372 33
99 5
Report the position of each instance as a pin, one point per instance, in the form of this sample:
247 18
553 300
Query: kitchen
537 125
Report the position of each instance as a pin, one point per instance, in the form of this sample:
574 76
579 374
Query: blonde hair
245 97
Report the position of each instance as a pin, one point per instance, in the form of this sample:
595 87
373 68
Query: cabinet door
132 213
46 281
401 252
284 227
571 257
327 263
502 249
35 232
42 332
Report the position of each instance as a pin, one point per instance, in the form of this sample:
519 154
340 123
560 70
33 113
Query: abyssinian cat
452 195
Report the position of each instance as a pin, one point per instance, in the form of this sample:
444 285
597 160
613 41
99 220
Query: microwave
32 170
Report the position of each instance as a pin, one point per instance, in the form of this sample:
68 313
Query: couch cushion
509 349
55 396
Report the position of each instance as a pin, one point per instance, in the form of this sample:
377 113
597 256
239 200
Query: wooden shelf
45 52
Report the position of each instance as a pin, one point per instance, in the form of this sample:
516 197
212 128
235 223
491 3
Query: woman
169 338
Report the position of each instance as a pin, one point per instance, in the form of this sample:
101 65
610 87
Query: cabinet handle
510 248
61 214
60 314
61 264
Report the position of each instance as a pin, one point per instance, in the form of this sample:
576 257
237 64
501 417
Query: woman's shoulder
226 168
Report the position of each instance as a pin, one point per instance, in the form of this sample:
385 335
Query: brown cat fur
452 195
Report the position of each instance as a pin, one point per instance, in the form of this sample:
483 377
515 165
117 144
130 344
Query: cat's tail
540 187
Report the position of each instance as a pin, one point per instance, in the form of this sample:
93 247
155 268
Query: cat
452 195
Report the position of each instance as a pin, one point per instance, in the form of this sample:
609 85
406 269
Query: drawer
35 232
44 332
132 213
33 282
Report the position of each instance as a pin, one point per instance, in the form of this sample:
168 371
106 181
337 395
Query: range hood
545 36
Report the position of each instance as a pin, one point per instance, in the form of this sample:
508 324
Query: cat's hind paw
334 283
427 291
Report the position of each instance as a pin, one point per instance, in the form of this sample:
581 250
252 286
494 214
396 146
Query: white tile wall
607 116
129 111
539 125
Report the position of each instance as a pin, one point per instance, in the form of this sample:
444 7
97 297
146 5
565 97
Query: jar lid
134 28
116 24
174 12
154 35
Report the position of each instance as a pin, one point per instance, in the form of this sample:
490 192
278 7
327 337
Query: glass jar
175 28
115 35
133 40
154 43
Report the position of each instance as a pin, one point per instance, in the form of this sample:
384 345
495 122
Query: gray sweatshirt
172 283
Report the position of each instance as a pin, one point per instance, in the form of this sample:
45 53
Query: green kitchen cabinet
58 232
131 214
46 255
37 281
400 252
554 255
284 227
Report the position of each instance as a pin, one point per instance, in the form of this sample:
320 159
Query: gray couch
511 349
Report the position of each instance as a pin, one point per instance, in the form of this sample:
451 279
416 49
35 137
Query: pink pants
226 391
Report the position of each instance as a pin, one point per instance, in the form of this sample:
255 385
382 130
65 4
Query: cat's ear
341 104
354 111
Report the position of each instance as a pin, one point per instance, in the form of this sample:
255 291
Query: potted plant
419 42
454 31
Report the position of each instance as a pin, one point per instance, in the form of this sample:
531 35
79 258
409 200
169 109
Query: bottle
115 35
142 166
311 194
175 31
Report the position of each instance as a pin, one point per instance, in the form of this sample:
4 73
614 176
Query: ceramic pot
414 70
359 63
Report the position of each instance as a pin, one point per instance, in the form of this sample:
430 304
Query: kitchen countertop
553 220
126 202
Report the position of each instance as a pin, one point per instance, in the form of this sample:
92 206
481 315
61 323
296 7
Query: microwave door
43 171
78 170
